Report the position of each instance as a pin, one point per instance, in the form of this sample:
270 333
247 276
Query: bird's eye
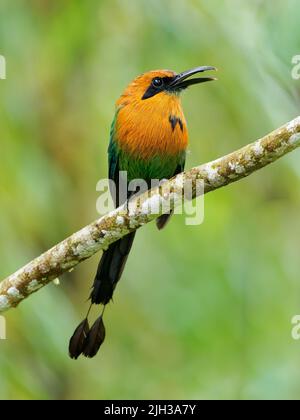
157 82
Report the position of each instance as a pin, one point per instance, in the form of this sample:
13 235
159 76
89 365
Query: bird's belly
157 167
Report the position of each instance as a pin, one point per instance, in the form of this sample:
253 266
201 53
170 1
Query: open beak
182 80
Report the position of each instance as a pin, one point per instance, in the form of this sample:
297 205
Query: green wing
113 153
113 159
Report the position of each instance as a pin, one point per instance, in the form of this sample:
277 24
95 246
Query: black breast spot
174 121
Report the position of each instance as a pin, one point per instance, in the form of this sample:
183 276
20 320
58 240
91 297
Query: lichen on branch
127 218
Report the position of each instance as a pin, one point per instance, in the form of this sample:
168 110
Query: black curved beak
182 80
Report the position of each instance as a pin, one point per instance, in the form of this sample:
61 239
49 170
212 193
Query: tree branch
116 224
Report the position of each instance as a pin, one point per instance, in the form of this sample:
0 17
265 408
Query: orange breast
152 127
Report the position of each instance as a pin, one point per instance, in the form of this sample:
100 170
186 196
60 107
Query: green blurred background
201 312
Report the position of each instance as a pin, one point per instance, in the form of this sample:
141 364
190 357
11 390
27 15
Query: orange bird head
150 117
156 84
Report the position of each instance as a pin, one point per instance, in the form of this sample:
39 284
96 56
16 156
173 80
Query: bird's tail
88 341
110 269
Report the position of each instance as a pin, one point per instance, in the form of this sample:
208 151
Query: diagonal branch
116 224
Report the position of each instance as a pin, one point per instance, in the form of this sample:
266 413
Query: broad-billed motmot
148 140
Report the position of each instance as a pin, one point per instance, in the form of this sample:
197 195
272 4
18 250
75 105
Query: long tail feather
110 269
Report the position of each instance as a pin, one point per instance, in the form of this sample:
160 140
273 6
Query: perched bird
148 139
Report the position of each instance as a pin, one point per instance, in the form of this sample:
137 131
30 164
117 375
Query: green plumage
158 167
